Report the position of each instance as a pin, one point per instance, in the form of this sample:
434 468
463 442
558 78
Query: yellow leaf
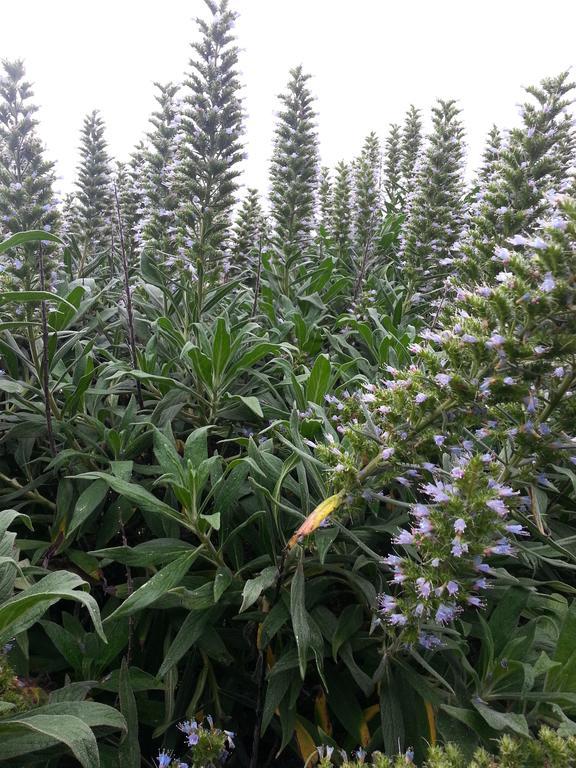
321 710
371 712
316 517
431 722
306 745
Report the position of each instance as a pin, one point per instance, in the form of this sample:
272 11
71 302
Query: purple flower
503 547
445 613
429 641
468 338
475 601
548 284
452 587
439 440
496 340
502 254
559 372
404 537
164 759
425 526
518 240
387 453
558 223
438 491
460 525
508 380
424 587
420 397
386 603
442 379
516 529
397 619
498 506
459 547
420 511
539 244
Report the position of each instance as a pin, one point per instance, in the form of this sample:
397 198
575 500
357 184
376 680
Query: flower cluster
360 758
466 519
481 414
209 746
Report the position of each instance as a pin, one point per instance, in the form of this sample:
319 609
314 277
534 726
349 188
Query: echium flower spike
341 209
158 200
27 199
410 149
392 168
210 152
533 162
94 187
435 214
249 233
294 166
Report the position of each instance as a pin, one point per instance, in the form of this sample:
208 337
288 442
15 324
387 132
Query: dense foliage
292 481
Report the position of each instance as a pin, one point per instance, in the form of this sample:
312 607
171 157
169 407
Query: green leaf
23 610
32 235
502 721
190 631
166 454
68 730
300 618
349 622
67 723
34 297
129 750
253 588
88 502
252 403
221 347
317 384
148 553
169 577
391 715
138 496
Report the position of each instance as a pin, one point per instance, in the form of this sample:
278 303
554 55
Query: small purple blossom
404 537
548 284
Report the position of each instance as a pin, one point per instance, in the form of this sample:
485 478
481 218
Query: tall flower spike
211 150
532 163
410 148
435 216
249 233
341 207
27 199
294 166
392 168
160 161
367 215
94 184
325 200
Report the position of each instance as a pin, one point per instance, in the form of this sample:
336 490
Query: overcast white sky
369 59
